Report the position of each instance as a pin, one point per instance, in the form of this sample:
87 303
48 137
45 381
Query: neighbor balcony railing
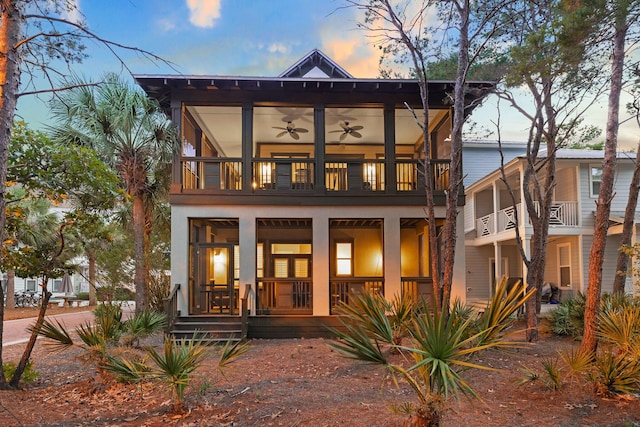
562 214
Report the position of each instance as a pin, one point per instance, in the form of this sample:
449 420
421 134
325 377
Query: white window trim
560 265
591 181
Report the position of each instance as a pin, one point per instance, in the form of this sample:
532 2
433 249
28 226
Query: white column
321 300
247 231
458 286
391 256
497 253
180 257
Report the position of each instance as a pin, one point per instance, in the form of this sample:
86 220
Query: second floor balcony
562 214
296 176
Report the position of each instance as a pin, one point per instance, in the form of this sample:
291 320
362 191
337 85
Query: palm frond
58 339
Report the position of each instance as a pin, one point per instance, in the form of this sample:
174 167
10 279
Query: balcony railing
343 289
418 288
410 174
211 173
273 175
283 174
284 296
562 214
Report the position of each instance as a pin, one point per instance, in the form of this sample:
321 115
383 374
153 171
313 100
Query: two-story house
298 190
490 220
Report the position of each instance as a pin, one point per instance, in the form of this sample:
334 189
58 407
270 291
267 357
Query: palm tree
132 134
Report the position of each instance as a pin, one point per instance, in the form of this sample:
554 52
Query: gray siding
480 161
478 275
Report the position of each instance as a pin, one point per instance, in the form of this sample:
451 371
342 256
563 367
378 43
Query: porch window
564 264
595 178
260 260
344 258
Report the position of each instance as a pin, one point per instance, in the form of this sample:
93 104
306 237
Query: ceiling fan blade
344 125
279 127
295 135
357 127
284 132
356 134
343 136
300 130
336 131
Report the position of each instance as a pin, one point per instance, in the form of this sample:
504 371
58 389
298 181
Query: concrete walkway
15 331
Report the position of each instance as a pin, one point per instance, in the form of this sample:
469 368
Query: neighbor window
595 178
564 264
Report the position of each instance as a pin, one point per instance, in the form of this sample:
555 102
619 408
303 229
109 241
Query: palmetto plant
442 345
615 367
174 366
97 338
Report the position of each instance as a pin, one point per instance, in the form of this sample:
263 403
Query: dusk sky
241 37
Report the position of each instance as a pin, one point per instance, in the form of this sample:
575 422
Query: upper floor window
595 178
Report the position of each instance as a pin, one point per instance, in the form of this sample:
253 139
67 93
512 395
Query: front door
215 270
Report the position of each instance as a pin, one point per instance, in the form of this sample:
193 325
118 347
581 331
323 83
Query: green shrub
28 376
111 293
84 296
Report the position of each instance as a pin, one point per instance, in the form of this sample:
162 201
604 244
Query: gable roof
316 64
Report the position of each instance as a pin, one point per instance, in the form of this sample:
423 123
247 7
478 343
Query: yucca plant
500 313
616 374
143 324
442 347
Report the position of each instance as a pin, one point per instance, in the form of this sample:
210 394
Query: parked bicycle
28 299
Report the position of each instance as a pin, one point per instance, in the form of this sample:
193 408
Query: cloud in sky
203 13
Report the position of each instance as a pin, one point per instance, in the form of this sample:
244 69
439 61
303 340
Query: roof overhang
161 87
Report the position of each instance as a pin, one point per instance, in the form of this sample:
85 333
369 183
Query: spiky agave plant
442 346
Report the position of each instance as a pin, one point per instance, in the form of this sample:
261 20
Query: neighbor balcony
562 214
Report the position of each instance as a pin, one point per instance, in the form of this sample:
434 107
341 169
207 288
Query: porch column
321 301
497 254
458 287
391 258
496 206
527 253
247 231
180 257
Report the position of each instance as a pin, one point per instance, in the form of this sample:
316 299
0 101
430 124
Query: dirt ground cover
302 382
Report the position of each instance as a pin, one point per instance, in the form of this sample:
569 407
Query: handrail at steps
245 310
171 307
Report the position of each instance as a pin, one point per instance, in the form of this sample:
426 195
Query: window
595 178
344 259
564 264
260 260
57 285
31 285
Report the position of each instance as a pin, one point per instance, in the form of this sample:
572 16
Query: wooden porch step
210 329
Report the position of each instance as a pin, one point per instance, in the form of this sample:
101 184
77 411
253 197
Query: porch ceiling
351 223
284 222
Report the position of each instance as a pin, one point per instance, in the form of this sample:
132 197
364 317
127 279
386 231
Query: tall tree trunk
139 278
12 22
603 208
11 289
627 228
92 280
22 365
455 167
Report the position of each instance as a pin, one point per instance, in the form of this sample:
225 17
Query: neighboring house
297 191
79 281
490 221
